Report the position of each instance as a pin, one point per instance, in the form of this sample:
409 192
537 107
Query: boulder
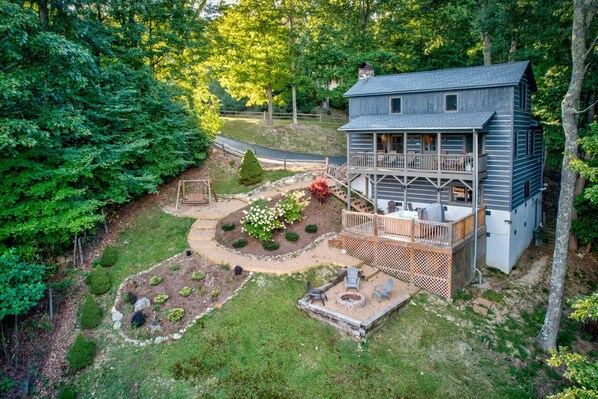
117 316
142 304
117 325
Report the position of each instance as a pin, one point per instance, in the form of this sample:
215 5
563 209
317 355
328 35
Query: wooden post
327 163
75 252
284 160
412 230
80 251
178 193
105 225
375 219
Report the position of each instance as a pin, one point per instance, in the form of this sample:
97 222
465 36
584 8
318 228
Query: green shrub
186 291
214 293
260 220
175 267
67 392
161 298
228 226
91 314
100 281
291 207
311 228
81 353
155 280
291 236
109 257
250 171
225 266
198 276
130 297
176 314
138 319
270 245
240 243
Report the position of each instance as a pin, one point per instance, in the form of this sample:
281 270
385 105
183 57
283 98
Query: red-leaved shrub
319 189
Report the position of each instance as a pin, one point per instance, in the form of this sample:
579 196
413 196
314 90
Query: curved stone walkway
202 241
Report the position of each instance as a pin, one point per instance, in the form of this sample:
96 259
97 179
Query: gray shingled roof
440 122
444 79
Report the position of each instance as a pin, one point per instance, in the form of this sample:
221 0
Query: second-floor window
529 143
450 102
526 189
523 96
395 105
460 195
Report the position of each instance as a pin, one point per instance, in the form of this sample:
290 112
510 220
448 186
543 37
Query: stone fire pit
350 300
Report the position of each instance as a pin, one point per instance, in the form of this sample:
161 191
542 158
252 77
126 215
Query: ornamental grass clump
291 206
260 221
250 171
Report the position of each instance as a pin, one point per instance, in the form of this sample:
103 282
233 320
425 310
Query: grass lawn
261 345
320 138
227 183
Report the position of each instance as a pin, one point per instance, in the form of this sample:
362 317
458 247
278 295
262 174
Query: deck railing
412 230
451 163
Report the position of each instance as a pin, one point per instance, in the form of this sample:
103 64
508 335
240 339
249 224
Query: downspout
475 201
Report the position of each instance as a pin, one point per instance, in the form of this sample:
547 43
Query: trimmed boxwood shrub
311 228
291 236
240 243
109 257
270 245
250 171
228 226
81 353
138 319
100 281
67 392
91 314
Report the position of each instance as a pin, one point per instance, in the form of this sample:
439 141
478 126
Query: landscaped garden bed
326 216
177 291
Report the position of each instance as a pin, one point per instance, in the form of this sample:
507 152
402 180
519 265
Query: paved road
264 152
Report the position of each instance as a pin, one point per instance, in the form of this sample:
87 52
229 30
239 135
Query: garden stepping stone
117 325
117 316
480 309
142 304
484 302
200 235
204 224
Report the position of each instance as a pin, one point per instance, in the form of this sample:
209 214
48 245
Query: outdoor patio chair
392 206
352 279
383 290
410 206
316 294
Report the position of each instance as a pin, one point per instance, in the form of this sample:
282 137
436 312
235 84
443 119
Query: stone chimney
365 71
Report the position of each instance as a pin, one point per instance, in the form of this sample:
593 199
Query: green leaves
21 284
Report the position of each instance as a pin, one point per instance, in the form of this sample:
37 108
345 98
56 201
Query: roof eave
386 93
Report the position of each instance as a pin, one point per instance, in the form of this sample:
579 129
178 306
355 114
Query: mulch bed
327 216
173 281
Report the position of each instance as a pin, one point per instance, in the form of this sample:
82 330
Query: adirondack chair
352 279
383 290
316 294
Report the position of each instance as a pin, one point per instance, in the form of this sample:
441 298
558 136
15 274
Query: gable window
395 105
450 102
526 189
522 96
461 195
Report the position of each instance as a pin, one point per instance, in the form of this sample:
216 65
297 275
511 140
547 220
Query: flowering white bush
291 206
261 221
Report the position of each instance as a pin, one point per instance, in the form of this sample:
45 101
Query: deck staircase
338 174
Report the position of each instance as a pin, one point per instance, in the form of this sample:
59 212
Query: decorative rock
142 304
176 336
155 326
142 343
464 348
158 340
116 325
117 316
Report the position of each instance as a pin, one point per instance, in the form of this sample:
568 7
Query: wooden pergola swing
194 192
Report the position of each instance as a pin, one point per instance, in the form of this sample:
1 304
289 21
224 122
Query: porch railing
412 230
457 163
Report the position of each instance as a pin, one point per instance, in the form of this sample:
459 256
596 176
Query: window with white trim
450 102
396 105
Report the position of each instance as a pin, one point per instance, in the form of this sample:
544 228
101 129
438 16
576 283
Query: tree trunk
512 50
294 101
44 18
580 184
583 13
270 105
487 44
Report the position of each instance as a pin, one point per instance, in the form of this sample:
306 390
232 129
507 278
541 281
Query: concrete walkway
202 241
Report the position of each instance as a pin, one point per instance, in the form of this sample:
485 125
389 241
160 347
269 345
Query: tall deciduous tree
251 51
583 14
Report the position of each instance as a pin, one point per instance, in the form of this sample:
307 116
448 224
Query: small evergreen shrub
161 298
130 298
270 245
138 319
214 293
87 279
224 266
109 257
81 353
67 392
186 291
250 171
198 276
175 267
291 236
240 243
228 226
176 314
311 228
155 280
91 314
100 281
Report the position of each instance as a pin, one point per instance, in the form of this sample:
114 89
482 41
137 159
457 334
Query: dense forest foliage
101 101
